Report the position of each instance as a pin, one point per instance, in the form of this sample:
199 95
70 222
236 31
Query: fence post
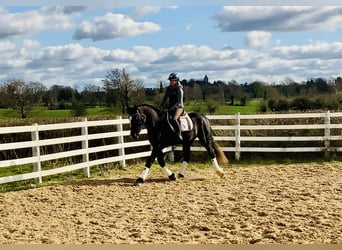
121 141
237 136
85 145
171 154
327 134
37 167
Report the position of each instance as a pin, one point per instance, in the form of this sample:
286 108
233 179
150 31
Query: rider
174 95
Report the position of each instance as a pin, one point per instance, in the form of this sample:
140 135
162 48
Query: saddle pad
186 123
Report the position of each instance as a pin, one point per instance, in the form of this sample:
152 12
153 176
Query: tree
90 95
51 98
137 92
161 87
119 86
271 92
17 94
258 89
338 83
61 97
289 88
233 91
192 92
38 90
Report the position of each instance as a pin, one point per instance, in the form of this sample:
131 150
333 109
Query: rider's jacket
173 97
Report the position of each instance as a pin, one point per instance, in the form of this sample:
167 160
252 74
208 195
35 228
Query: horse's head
137 121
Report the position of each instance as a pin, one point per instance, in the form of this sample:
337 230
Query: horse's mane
152 107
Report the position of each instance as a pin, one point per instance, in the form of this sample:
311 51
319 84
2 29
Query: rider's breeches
178 112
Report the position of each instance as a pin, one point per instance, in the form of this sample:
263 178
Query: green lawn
251 108
202 107
39 112
42 112
9 113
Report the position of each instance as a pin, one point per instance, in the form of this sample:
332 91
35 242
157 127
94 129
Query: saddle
185 122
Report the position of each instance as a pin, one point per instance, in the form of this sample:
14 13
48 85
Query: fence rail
321 122
235 133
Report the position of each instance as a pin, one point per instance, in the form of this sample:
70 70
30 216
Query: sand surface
299 203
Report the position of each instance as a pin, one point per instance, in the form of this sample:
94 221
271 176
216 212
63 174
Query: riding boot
178 130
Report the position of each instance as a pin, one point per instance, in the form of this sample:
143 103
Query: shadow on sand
127 181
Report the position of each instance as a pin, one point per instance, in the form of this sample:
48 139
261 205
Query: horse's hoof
180 176
139 181
220 174
172 177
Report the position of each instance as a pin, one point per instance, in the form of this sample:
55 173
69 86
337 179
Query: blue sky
53 42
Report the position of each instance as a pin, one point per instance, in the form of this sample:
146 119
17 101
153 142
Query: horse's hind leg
218 169
207 142
182 170
186 160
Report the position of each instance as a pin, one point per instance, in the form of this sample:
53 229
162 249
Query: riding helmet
173 76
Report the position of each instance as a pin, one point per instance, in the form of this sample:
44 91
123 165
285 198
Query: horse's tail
220 156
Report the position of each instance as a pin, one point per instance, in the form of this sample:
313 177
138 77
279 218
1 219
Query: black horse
161 135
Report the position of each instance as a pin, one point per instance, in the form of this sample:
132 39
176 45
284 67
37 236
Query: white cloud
120 55
5 47
72 64
278 18
322 50
141 11
23 23
145 10
113 26
258 39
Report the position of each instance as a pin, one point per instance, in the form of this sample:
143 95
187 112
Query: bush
211 106
282 105
263 107
78 109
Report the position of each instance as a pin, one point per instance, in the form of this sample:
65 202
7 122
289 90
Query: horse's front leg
156 153
167 171
148 165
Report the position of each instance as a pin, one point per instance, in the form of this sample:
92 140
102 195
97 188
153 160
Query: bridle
141 118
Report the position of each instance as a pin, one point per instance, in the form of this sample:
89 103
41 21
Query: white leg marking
144 173
167 171
217 168
183 168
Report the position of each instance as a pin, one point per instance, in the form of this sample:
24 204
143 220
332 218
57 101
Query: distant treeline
317 93
120 90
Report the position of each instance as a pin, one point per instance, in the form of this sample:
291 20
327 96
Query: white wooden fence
327 132
232 130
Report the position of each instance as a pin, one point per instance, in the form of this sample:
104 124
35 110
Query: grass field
202 107
251 108
42 112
